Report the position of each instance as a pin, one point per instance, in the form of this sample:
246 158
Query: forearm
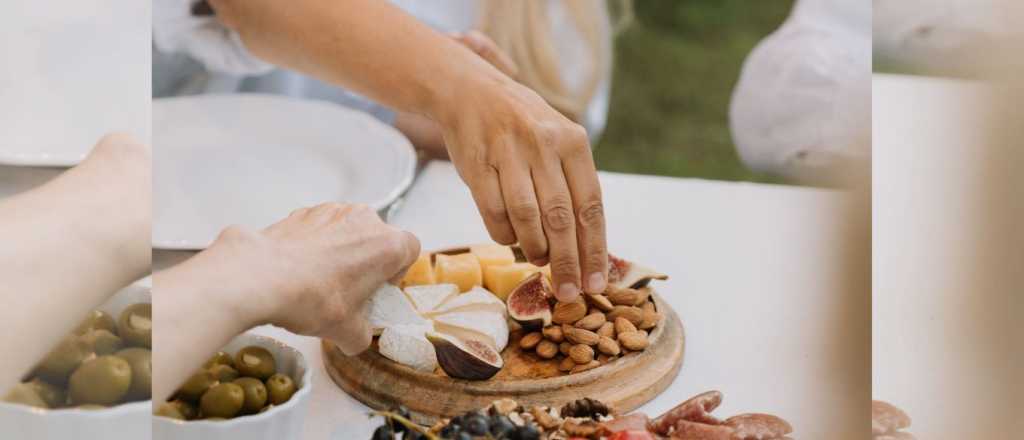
198 307
367 46
424 134
67 246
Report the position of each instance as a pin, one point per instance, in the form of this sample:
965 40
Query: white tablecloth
752 277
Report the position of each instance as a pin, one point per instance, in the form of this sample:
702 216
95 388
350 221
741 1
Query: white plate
70 73
251 159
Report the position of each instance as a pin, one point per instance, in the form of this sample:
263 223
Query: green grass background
675 68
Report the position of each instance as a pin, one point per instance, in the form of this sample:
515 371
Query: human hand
317 268
486 48
533 179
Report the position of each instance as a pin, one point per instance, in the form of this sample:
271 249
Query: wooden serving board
624 383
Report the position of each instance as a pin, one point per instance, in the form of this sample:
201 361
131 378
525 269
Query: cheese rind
389 306
419 273
463 270
477 299
502 279
492 325
408 345
429 297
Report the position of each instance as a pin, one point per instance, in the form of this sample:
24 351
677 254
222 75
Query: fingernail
595 282
567 292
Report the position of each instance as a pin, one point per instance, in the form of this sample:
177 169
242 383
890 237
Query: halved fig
470 360
530 302
627 274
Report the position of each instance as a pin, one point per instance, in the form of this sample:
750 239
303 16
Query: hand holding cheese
310 273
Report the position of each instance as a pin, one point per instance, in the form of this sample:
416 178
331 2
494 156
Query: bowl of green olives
255 387
95 383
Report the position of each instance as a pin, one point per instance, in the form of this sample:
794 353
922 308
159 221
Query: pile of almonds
596 330
888 422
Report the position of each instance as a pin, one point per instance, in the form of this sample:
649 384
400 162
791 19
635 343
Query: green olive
255 361
53 395
104 381
136 325
142 372
221 358
96 320
280 388
25 394
215 419
169 411
223 400
223 373
255 394
194 388
62 361
266 408
101 342
186 409
91 407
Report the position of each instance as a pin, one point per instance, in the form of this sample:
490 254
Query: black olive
462 435
502 427
528 432
383 432
476 424
449 431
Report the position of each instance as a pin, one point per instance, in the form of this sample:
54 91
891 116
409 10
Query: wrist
464 88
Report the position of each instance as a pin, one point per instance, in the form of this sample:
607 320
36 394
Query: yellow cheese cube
500 280
419 273
462 270
492 255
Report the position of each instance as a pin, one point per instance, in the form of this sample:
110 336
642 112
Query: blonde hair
523 30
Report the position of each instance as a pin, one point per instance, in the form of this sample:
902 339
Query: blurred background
675 68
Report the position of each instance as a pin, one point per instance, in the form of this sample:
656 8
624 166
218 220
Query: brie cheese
492 326
477 299
389 306
408 345
429 297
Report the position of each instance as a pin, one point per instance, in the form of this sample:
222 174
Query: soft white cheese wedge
426 298
477 299
408 345
389 306
492 326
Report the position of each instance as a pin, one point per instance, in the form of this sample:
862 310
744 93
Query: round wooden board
624 384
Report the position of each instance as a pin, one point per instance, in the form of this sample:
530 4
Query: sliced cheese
491 325
502 279
462 270
419 273
427 298
477 299
492 255
389 306
408 345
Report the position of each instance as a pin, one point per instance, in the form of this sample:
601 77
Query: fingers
487 49
524 211
581 176
560 227
486 190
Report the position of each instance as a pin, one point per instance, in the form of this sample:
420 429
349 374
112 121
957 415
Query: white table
942 322
753 277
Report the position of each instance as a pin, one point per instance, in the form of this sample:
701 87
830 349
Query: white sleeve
217 48
803 100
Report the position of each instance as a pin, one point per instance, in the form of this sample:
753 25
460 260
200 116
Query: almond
650 318
547 349
643 294
588 366
601 302
543 417
553 333
581 354
567 313
564 347
636 340
622 325
624 297
530 340
566 365
604 359
607 330
608 346
631 313
592 321
579 335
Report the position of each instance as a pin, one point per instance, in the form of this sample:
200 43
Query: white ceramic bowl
123 422
280 423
